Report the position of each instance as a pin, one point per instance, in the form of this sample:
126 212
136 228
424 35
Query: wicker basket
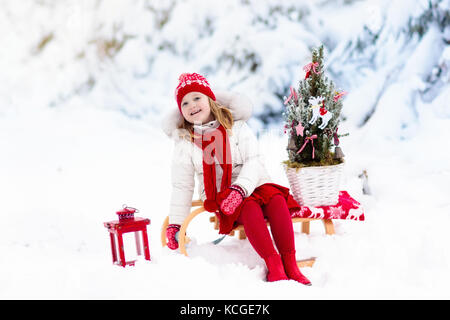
315 186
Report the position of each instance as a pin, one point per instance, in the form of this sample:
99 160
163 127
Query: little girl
214 142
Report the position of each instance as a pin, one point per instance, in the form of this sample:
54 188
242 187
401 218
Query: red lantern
126 213
127 223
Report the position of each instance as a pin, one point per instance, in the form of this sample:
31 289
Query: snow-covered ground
69 160
64 173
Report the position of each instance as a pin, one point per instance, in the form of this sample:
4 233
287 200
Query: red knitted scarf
214 144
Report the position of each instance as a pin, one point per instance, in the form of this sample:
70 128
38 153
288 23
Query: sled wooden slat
197 203
306 262
329 227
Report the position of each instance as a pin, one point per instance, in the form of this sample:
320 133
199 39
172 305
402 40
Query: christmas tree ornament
338 95
315 104
308 139
299 129
325 115
338 154
293 95
319 111
308 68
335 138
291 144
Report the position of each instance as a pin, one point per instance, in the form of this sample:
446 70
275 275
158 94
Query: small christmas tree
312 118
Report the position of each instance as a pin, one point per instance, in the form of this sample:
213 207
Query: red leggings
277 213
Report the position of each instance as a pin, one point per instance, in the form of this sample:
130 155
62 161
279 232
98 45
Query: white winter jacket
248 170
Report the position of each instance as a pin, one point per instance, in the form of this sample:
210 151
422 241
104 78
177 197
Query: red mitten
232 201
171 232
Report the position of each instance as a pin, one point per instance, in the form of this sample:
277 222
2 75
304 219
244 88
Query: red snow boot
275 268
291 268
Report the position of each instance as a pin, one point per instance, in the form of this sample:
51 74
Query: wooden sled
183 239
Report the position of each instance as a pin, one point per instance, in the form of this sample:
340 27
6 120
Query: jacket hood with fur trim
240 106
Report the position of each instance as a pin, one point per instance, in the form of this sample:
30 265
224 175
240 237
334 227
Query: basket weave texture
315 186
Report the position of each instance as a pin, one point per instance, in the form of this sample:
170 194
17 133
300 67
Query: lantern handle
124 206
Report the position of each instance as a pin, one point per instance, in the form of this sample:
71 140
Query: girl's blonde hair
221 113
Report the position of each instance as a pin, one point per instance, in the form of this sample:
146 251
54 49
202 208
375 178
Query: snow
72 156
68 172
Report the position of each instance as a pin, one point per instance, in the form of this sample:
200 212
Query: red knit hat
192 82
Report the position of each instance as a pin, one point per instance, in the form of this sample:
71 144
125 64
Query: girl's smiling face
195 108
